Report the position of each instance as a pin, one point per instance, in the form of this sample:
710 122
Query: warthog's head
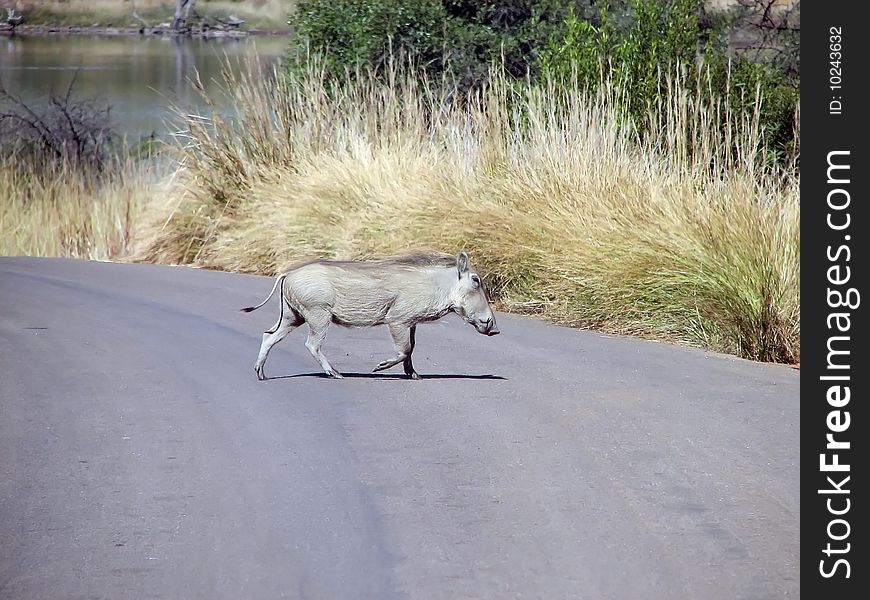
469 298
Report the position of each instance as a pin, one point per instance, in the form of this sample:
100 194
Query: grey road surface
141 458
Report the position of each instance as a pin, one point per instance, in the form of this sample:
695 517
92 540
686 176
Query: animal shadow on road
388 376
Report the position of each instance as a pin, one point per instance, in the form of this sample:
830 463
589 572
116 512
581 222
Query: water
140 77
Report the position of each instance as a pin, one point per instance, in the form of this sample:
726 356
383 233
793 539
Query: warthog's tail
278 282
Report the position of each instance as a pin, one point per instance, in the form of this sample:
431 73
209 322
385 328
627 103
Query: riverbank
165 30
129 17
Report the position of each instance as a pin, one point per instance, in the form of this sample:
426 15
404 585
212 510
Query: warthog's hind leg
403 340
318 324
289 321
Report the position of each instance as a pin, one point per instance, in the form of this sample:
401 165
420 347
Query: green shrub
360 31
745 83
663 42
662 34
462 38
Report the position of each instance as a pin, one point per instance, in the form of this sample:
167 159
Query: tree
182 12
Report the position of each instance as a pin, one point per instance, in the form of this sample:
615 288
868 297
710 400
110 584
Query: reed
64 210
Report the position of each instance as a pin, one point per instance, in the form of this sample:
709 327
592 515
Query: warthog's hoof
415 376
386 364
334 375
261 374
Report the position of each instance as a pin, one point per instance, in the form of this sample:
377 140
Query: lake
139 76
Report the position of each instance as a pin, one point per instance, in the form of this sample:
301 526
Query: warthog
398 292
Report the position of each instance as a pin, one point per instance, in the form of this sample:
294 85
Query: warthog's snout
488 327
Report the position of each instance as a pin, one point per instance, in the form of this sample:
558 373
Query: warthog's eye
476 280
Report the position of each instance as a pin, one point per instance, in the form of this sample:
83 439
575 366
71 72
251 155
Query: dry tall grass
688 236
68 212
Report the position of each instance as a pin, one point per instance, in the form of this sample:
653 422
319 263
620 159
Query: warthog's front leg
409 367
403 339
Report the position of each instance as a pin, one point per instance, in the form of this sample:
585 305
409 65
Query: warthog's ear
462 263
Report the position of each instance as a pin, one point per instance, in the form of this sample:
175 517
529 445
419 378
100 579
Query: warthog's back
373 292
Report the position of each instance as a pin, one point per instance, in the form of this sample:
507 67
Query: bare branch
60 129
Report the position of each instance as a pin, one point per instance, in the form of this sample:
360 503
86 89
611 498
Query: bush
753 86
632 43
663 42
63 130
662 35
461 38
350 32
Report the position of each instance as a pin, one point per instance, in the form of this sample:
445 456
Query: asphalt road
141 458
